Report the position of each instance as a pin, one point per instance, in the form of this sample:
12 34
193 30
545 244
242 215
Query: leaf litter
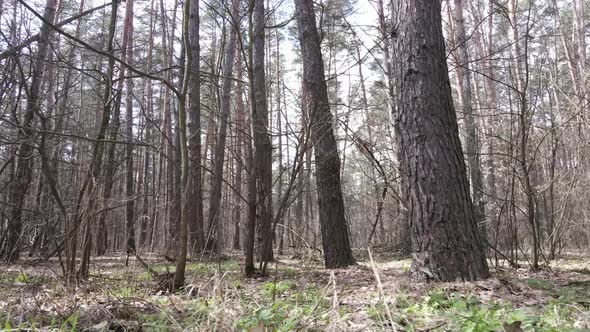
296 295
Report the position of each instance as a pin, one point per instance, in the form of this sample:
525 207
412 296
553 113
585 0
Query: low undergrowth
293 298
459 312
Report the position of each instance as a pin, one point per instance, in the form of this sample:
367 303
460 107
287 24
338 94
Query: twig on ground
381 293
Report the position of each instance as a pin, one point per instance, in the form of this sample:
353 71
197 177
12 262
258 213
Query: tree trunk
166 140
88 185
404 242
521 83
280 134
445 241
111 164
181 95
24 154
262 141
241 153
251 197
195 193
129 178
217 176
335 237
146 220
250 230
472 141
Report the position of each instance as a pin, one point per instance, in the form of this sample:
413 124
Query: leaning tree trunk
445 242
335 237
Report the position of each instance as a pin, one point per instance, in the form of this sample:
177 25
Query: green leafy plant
284 308
71 323
456 312
22 278
271 290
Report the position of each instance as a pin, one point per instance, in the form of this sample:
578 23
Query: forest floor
298 294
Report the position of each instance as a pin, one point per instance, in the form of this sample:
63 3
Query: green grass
38 321
457 312
294 299
540 283
572 292
285 307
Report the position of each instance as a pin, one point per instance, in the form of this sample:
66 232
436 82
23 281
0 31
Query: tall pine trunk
335 237
129 177
472 141
241 154
217 176
195 192
445 241
262 141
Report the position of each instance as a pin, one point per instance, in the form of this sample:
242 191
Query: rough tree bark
387 44
445 242
335 237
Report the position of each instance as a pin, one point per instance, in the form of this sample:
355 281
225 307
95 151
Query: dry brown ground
297 295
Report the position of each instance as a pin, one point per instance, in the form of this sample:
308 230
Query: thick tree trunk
445 241
335 238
